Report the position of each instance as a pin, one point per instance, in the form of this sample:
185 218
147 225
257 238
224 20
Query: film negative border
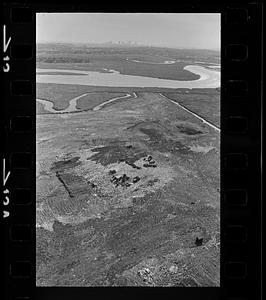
241 105
241 153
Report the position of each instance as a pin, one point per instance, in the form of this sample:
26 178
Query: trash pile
123 180
150 163
146 275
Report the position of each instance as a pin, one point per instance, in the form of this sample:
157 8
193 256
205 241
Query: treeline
62 59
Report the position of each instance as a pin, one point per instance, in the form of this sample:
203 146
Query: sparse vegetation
61 94
128 195
204 103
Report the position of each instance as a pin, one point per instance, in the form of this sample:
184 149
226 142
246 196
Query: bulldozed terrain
128 196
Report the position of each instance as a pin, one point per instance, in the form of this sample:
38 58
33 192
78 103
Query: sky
201 31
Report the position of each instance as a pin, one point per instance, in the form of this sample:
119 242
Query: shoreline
208 79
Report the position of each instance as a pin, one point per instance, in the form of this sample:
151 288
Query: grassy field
72 90
61 94
94 99
87 102
157 54
171 71
40 109
127 196
205 104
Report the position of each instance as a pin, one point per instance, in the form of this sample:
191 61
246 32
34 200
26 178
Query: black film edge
241 129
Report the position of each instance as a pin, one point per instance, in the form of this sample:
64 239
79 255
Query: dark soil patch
163 137
112 172
59 176
75 185
65 164
117 152
188 130
153 134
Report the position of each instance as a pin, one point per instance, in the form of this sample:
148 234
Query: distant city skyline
187 31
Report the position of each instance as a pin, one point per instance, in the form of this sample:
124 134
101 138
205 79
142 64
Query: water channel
209 78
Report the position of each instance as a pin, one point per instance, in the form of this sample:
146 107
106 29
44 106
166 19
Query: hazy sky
171 30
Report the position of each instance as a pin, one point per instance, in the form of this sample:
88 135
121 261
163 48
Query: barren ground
127 196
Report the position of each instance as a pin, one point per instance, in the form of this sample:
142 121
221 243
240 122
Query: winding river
208 78
49 105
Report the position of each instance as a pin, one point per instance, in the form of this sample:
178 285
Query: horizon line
125 45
